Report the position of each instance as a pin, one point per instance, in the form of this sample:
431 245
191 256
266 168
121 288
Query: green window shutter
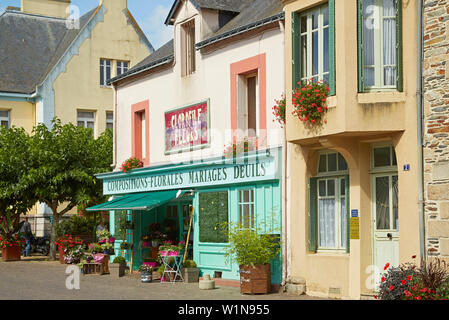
399 68
360 17
313 215
332 74
348 212
296 62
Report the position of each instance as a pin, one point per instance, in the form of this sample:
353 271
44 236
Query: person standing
26 230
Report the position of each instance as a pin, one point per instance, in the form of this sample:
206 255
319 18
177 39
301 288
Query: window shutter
360 18
332 85
296 62
348 212
399 68
313 215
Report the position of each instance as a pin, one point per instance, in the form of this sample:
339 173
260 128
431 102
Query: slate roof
34 44
225 5
253 14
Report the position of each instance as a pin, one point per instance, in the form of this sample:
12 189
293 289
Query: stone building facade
436 126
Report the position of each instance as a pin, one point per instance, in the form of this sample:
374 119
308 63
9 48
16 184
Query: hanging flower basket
279 111
309 102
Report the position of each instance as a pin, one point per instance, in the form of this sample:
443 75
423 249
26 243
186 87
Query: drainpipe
114 160
420 119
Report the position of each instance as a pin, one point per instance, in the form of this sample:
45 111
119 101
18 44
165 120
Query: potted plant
11 247
190 272
146 273
125 245
118 267
253 250
66 243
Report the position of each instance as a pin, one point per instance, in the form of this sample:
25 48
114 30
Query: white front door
385 222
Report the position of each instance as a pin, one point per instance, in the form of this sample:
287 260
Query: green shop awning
138 201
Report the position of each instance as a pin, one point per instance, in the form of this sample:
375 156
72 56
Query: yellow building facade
353 182
57 64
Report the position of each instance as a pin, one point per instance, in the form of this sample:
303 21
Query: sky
149 14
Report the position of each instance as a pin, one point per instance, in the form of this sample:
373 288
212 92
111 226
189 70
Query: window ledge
331 102
380 97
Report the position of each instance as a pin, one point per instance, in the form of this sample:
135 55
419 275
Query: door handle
390 236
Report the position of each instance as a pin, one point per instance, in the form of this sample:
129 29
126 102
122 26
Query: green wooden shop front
249 192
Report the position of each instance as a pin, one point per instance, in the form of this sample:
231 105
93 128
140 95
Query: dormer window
188 48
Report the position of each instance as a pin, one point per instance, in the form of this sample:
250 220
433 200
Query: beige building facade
57 65
353 182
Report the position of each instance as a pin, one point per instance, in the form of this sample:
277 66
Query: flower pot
146 277
117 269
255 280
190 274
61 255
11 253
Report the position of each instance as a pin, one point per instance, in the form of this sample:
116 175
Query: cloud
155 29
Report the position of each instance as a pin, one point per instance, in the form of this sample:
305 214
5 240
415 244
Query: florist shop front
149 206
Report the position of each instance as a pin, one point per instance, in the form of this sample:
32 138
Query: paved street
36 278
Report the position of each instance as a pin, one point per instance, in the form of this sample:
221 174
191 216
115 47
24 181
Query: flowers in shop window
131 163
279 111
309 102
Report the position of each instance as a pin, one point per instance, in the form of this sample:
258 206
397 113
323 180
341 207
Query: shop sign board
187 128
211 175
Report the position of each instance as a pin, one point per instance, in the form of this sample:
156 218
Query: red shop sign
186 128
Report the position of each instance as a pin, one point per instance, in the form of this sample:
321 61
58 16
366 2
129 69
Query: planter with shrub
190 272
118 267
253 250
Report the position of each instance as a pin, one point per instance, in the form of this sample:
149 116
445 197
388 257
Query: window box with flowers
245 145
309 102
131 163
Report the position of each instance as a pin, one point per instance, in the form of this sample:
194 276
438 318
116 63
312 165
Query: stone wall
436 126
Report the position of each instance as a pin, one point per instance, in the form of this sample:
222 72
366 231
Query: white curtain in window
370 12
389 40
343 221
327 222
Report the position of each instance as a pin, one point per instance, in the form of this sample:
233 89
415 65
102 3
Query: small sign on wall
354 228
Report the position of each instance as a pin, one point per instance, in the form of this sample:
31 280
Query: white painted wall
167 90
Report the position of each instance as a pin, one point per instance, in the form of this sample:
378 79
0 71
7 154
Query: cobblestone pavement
37 279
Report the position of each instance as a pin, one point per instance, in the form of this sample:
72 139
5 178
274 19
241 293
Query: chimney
50 8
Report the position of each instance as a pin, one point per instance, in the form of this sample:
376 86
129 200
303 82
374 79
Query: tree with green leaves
15 198
63 162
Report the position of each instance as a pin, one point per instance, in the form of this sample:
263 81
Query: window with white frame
328 207
314 44
4 118
86 119
122 67
105 71
380 45
246 208
109 120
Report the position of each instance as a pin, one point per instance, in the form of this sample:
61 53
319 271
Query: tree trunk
53 235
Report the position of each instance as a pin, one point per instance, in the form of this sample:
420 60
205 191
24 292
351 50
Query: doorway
385 218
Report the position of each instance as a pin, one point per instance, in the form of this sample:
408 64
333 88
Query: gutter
240 30
420 133
141 69
20 96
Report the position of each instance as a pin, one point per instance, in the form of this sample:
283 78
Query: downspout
114 160
420 120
